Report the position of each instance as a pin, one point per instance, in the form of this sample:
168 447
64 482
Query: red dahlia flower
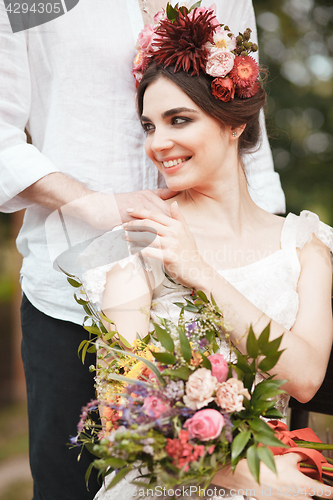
245 71
182 42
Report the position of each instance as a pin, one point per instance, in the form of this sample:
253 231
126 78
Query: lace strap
308 225
299 230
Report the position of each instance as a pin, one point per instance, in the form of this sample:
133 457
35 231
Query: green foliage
74 283
185 345
172 12
119 476
238 445
183 373
252 346
164 337
206 363
266 456
253 461
165 357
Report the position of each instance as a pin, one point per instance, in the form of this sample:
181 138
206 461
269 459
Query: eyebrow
171 112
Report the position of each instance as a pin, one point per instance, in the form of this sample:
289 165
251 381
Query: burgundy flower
223 89
246 92
182 42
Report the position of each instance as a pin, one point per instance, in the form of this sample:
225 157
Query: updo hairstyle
233 113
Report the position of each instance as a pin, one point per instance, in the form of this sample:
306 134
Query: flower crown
192 39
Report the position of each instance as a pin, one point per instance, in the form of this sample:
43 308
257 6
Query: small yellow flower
136 344
146 354
136 370
196 359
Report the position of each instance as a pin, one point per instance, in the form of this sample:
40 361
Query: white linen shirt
69 83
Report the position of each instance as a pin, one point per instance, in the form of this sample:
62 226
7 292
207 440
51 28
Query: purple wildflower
91 406
73 440
191 327
203 343
139 390
228 426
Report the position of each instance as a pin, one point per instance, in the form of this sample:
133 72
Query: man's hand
150 200
101 210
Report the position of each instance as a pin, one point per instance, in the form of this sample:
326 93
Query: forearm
297 363
57 191
127 300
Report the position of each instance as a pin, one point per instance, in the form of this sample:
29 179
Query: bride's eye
147 127
180 120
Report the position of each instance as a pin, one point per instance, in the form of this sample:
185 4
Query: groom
69 82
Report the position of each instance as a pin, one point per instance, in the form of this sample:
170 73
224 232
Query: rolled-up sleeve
21 164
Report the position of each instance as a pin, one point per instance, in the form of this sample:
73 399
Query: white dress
270 284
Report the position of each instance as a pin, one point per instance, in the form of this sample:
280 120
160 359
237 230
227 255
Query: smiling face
189 147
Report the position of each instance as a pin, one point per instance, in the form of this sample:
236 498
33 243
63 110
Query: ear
236 132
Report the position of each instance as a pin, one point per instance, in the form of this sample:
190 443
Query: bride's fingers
176 213
146 226
143 213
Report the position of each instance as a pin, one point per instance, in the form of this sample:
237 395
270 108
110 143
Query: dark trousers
58 385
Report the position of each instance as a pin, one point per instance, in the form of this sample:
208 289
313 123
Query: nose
161 140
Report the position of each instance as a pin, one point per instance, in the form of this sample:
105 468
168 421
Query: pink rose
205 424
219 63
220 367
230 395
199 389
155 407
146 37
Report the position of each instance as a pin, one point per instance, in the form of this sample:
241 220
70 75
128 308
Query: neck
226 201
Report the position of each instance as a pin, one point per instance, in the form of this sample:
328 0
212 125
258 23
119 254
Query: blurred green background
296 44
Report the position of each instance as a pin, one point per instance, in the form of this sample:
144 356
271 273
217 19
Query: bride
260 268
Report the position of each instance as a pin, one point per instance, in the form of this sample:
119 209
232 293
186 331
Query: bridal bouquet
174 409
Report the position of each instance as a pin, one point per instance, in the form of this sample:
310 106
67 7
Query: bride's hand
169 240
288 482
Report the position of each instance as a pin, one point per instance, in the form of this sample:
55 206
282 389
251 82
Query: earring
234 134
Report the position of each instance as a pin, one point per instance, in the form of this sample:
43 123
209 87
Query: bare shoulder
315 252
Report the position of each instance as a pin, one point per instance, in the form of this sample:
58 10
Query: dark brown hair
233 113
